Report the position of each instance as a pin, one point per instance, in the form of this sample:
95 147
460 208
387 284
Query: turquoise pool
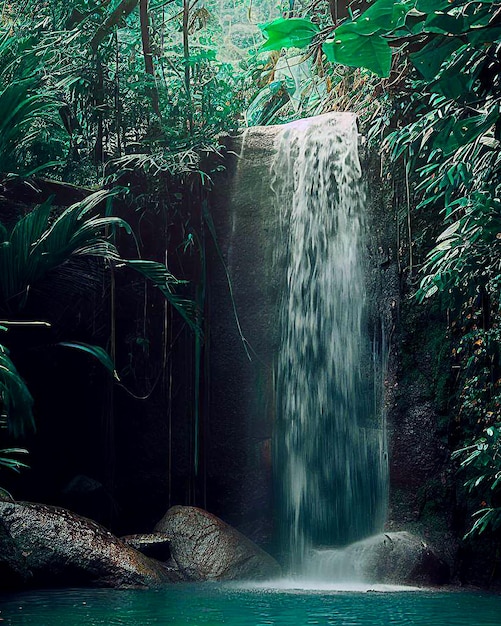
212 604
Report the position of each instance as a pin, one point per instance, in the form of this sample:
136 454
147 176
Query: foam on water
311 585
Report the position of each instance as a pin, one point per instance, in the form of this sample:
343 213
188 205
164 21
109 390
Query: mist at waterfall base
330 460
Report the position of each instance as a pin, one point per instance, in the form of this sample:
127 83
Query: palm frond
16 402
26 112
7 460
95 351
158 274
35 246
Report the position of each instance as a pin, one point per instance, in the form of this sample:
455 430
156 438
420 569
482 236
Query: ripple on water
250 605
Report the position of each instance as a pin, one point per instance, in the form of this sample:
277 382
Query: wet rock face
389 558
401 557
13 570
205 548
61 548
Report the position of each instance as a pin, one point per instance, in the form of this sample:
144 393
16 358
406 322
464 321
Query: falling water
330 461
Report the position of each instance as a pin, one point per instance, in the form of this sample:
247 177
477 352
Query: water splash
330 460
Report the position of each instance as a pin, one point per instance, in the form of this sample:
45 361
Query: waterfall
329 448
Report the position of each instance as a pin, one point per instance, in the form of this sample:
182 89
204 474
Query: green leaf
446 24
478 36
429 59
7 461
428 6
96 351
354 50
453 80
158 274
381 17
288 33
462 132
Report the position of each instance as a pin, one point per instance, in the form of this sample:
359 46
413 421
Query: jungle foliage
125 96
436 110
74 80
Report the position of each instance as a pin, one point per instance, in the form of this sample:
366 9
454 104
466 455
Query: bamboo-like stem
409 224
186 55
118 110
124 9
10 323
144 19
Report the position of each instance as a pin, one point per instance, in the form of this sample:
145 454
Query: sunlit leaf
288 33
381 17
371 52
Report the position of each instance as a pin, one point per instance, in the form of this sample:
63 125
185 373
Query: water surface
213 603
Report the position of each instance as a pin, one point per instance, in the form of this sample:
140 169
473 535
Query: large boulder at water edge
395 558
203 547
13 570
401 557
58 547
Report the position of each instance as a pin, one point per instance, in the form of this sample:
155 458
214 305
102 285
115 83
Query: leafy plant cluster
114 79
119 101
478 359
438 113
451 148
95 93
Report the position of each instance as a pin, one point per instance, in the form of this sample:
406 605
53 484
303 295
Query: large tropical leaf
427 6
380 18
430 58
294 32
369 51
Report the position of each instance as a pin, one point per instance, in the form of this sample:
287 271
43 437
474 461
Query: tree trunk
186 54
148 57
124 9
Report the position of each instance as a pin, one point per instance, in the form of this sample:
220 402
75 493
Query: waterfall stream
330 456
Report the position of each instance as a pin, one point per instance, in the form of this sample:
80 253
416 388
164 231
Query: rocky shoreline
48 546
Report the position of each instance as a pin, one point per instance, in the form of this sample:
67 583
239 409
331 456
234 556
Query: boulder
155 545
61 548
401 557
393 558
13 570
205 548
